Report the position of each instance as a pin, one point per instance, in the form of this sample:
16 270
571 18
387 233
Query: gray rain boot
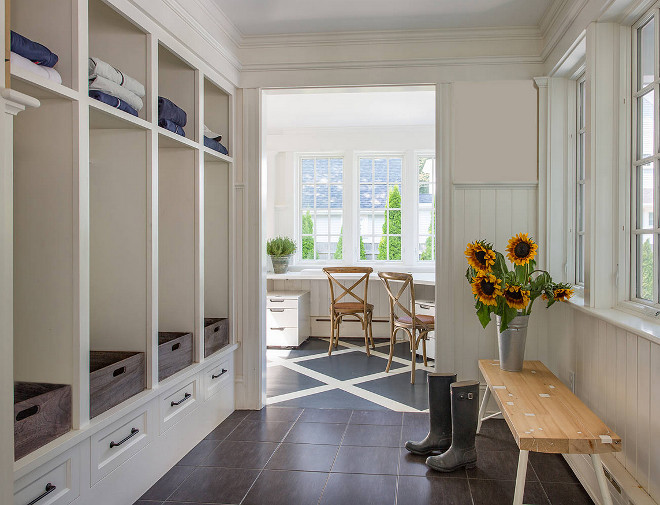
439 437
464 416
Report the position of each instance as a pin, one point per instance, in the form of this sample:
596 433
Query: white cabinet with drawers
426 308
287 318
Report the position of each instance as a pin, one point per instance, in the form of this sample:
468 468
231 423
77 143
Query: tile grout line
335 459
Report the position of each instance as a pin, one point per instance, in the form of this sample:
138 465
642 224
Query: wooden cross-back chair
357 307
417 326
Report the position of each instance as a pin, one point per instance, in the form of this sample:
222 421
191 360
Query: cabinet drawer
217 376
281 318
425 309
279 302
57 482
282 337
175 405
119 441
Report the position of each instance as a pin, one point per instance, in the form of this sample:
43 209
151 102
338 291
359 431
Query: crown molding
392 37
221 20
559 24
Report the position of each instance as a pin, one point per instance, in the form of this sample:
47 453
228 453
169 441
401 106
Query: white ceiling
349 108
271 17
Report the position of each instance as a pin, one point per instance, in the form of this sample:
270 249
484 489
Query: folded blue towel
170 111
112 101
33 51
171 126
215 145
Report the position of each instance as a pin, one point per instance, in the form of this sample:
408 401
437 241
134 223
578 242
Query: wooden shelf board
39 87
212 155
104 117
171 140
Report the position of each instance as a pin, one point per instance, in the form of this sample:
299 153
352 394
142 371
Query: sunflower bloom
563 293
521 249
486 288
480 256
516 297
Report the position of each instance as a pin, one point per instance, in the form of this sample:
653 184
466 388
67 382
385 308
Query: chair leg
332 333
392 342
371 331
414 357
366 334
424 349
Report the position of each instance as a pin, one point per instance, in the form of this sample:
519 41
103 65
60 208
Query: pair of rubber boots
454 412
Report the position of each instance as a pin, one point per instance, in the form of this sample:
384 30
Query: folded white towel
114 89
46 72
98 67
211 134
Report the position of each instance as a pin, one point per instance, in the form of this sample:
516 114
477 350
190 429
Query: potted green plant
280 250
510 294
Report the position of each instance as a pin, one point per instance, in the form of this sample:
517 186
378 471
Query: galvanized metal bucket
280 263
512 343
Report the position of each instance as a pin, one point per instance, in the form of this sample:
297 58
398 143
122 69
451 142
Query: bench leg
520 478
602 481
482 409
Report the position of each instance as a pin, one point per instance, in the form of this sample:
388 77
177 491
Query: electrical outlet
571 381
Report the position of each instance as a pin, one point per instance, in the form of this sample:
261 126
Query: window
380 208
426 208
579 181
322 200
644 173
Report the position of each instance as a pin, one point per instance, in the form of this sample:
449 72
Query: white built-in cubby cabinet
121 230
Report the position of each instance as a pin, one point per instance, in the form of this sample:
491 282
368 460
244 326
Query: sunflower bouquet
509 293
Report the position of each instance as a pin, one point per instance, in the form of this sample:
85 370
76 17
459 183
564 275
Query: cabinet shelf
39 87
211 155
104 117
171 140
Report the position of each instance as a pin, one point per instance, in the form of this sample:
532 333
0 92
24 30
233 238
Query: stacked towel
212 141
110 85
171 117
33 51
47 72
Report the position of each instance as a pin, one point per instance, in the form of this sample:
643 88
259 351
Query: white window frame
636 161
418 155
579 183
299 210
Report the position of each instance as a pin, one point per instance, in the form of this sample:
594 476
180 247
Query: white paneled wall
617 374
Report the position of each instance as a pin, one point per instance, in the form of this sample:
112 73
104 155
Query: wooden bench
545 416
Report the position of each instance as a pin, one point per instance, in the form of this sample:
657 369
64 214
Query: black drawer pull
176 346
278 329
422 306
134 431
119 371
174 404
220 374
49 489
276 310
29 412
274 300
216 329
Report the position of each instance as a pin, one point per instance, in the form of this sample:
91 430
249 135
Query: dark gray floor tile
303 457
199 453
275 414
238 414
286 488
343 489
414 432
333 399
371 435
216 485
259 431
381 417
371 460
426 491
311 415
281 380
316 433
349 365
552 468
402 350
496 436
167 484
253 455
148 502
224 429
500 492
398 388
562 493
502 465
416 419
414 465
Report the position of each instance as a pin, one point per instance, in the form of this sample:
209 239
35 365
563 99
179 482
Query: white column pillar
543 238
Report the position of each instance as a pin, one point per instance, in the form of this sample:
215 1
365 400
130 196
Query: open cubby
217 112
176 239
119 42
177 81
217 203
118 240
50 24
